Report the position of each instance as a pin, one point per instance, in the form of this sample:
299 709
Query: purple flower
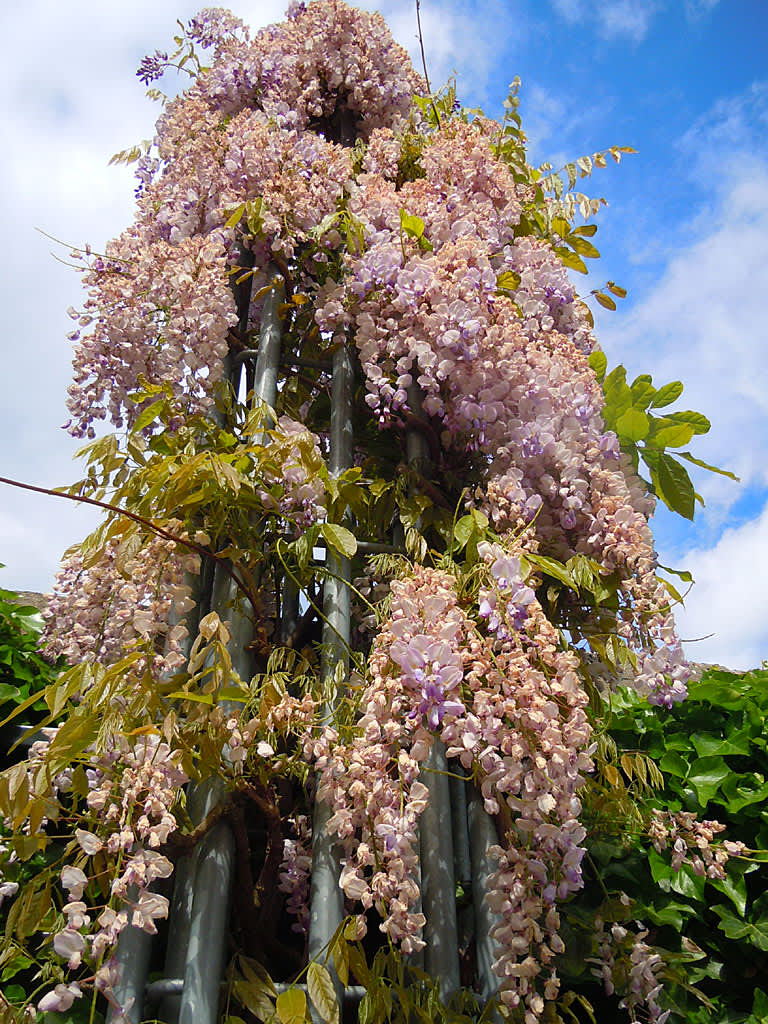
431 668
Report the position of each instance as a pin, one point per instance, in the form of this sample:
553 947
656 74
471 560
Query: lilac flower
432 668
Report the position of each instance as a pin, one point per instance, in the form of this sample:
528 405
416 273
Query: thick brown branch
180 843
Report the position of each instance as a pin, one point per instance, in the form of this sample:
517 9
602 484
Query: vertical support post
482 834
327 900
438 885
134 947
197 941
206 947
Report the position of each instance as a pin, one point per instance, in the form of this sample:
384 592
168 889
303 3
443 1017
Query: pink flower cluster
691 842
527 737
155 311
291 482
327 58
295 872
625 961
132 788
371 780
122 602
507 374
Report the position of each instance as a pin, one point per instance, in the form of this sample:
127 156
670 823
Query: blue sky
685 82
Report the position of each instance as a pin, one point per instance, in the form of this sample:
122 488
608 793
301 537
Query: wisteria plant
518 576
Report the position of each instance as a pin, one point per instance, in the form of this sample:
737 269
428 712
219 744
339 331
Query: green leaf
666 434
587 230
321 992
674 764
148 414
616 289
673 485
696 420
463 530
706 465
707 745
340 539
642 391
411 224
684 575
508 280
735 927
760 1006
632 425
552 568
197 698
667 394
707 773
291 1006
599 364
734 886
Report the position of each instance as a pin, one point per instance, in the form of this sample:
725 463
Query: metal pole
327 899
197 942
438 884
482 834
134 947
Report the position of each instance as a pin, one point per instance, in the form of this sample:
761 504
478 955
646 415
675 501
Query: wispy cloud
704 323
611 19
625 19
728 600
463 38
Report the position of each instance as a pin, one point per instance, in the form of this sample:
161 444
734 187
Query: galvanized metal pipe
327 899
134 947
197 944
438 885
438 882
482 835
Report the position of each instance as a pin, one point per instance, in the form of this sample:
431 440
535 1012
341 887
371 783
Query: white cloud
611 19
729 599
704 320
464 38
704 323
624 19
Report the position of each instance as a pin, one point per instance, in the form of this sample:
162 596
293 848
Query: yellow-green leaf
291 1006
605 300
235 217
583 247
147 415
321 992
340 539
632 425
599 363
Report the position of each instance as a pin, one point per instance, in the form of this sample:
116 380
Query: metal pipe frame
482 835
134 946
327 898
200 904
438 883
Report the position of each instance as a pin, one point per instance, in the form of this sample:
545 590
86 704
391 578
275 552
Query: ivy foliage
708 756
23 670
